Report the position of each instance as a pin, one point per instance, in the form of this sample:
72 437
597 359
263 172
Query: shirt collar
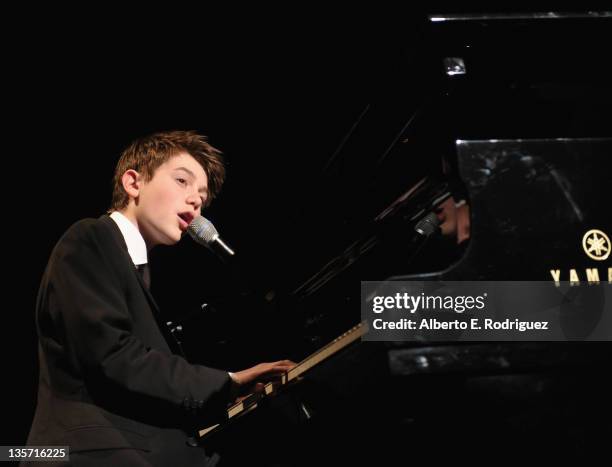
137 248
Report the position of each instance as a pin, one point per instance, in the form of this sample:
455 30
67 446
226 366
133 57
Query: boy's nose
194 201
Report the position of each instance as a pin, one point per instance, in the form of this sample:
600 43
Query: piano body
516 120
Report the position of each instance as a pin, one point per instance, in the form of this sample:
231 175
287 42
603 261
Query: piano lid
553 46
540 209
542 15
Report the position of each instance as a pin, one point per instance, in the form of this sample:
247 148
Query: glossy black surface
529 140
325 131
532 202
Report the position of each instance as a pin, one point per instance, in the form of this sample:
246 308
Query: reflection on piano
521 111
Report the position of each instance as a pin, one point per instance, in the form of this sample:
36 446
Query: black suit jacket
108 377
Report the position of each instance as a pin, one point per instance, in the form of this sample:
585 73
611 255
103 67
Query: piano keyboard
250 403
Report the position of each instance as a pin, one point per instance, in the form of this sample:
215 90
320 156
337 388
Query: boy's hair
146 154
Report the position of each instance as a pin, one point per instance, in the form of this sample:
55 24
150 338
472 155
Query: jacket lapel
118 237
170 338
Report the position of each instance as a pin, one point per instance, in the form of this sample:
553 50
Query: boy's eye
182 181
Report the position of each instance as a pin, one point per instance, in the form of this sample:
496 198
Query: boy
110 387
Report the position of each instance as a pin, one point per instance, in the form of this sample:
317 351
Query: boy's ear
132 183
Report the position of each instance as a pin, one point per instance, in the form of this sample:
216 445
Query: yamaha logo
596 244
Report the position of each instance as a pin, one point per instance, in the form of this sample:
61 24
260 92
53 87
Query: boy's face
168 202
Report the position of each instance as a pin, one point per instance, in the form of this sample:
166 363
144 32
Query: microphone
428 225
204 233
423 230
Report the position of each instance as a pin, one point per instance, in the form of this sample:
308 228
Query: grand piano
514 120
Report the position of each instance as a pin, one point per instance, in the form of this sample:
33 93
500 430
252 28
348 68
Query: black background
277 96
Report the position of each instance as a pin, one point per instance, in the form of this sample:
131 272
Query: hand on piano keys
261 379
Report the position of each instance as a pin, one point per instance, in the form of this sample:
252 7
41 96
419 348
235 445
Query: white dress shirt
137 248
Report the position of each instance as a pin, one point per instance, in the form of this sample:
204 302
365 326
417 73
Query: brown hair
146 154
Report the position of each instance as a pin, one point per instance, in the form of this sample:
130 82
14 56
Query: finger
284 368
259 387
283 363
277 372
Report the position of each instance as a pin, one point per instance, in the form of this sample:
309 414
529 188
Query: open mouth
186 219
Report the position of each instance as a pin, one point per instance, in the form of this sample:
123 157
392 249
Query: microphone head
202 231
428 225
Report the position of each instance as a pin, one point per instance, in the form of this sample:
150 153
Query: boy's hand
254 379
